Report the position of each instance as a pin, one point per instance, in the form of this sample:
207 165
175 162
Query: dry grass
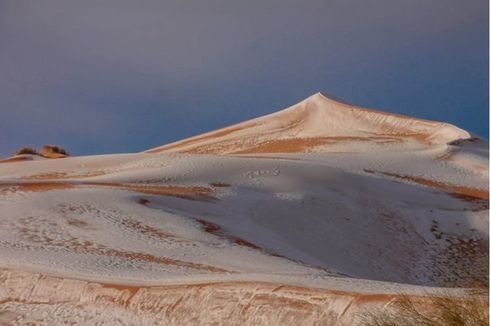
49 151
444 310
26 150
53 151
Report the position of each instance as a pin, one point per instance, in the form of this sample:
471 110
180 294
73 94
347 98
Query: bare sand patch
218 231
162 260
288 131
219 184
213 134
52 155
284 145
82 246
38 187
14 159
77 222
462 192
62 175
143 201
466 193
148 230
184 192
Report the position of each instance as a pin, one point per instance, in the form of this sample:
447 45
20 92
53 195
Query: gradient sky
123 76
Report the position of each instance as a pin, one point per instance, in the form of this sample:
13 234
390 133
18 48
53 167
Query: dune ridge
315 122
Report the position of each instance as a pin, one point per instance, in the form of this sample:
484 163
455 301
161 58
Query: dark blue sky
122 76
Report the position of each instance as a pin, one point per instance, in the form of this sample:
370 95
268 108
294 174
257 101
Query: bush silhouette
26 150
52 149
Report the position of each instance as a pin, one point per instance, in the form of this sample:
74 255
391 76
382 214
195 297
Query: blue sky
123 76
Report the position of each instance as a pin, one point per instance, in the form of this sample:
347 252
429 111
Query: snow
320 120
360 214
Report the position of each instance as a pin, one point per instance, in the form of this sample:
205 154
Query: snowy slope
316 124
382 205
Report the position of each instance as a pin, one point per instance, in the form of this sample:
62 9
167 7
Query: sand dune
315 213
312 125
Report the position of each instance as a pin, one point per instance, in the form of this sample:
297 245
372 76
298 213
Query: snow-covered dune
316 124
330 201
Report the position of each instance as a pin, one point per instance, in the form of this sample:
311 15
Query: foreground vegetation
46 150
469 310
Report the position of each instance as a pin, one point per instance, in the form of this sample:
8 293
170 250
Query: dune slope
315 213
313 125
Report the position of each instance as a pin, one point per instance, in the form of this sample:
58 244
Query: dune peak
316 124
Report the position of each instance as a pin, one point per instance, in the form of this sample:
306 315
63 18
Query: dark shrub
26 150
52 149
